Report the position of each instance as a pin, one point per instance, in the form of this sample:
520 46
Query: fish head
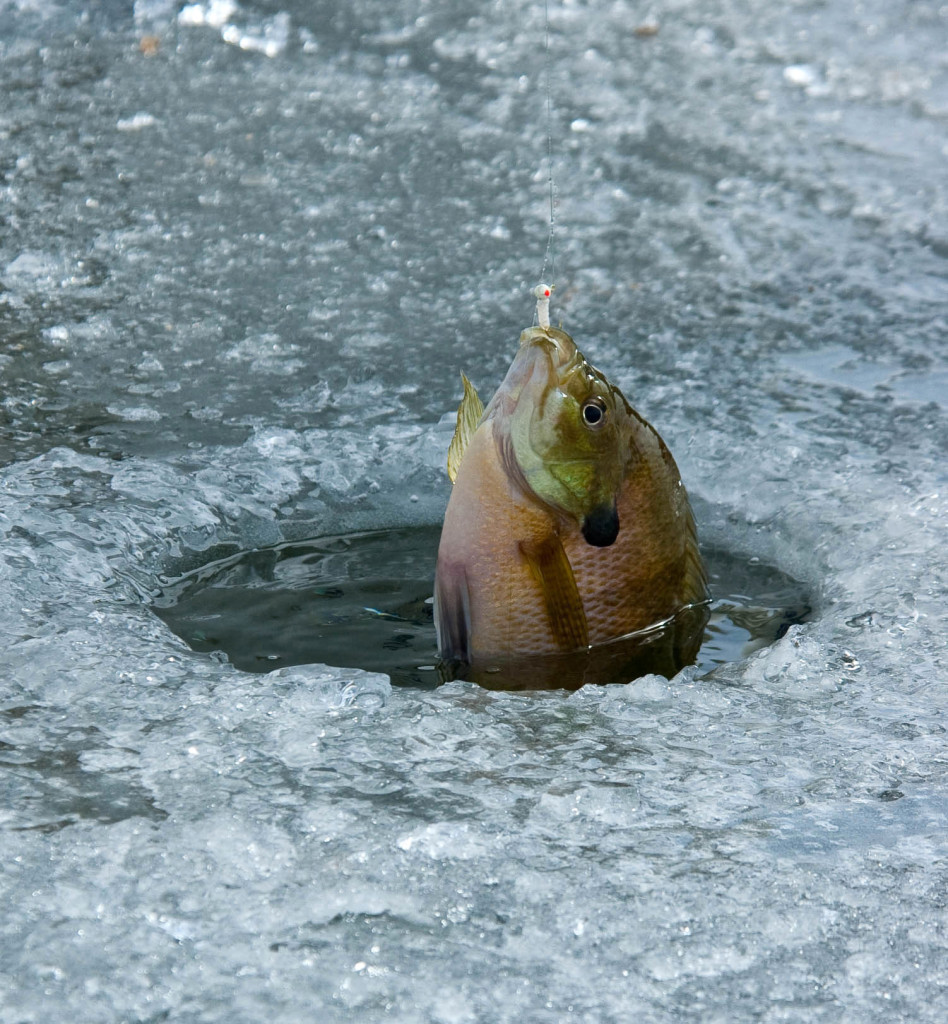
564 432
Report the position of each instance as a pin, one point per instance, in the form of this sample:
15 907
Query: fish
569 547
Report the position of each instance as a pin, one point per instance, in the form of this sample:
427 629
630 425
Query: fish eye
594 412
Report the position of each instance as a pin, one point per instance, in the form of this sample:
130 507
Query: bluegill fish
568 531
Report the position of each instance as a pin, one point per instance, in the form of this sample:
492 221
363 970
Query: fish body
568 527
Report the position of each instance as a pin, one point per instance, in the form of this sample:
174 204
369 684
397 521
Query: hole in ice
357 600
363 600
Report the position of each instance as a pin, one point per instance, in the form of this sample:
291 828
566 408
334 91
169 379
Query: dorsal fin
469 415
564 606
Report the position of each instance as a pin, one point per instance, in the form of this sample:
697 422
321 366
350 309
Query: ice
136 122
238 281
268 37
216 14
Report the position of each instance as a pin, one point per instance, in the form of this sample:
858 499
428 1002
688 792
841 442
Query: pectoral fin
452 613
469 415
564 606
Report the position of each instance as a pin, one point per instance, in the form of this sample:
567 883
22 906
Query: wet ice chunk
269 40
444 840
134 414
801 75
147 11
32 267
806 77
216 14
136 122
268 37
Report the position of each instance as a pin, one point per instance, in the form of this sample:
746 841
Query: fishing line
549 257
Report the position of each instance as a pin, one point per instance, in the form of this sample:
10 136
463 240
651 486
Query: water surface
364 601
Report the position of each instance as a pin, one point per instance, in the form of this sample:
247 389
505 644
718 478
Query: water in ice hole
363 600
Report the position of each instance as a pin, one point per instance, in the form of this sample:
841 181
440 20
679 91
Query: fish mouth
601 527
535 367
557 345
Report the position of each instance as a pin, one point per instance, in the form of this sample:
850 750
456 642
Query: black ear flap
601 526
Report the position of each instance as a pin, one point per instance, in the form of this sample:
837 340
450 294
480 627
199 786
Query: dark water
363 600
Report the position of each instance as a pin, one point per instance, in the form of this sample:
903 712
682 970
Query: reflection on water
364 601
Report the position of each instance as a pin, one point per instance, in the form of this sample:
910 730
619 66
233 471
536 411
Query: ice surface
236 289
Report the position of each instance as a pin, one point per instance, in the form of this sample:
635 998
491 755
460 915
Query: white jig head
543 293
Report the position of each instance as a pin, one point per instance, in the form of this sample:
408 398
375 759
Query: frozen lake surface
244 252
